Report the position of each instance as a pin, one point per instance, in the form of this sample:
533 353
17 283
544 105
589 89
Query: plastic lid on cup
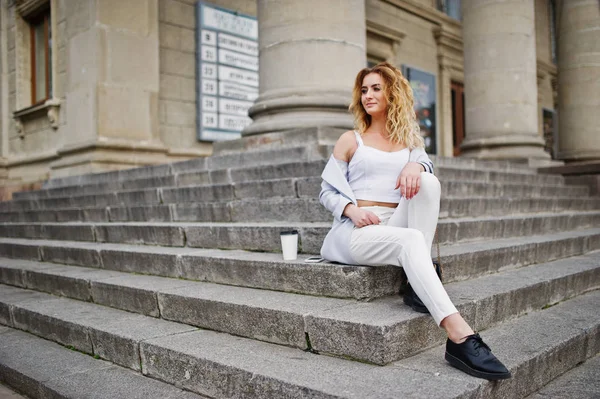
289 232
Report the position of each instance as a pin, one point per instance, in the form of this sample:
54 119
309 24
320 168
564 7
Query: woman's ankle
456 328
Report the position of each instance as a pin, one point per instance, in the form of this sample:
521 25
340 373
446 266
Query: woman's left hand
409 180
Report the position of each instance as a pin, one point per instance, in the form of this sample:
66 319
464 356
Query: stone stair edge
263 236
287 209
102 178
40 368
220 353
307 181
268 271
202 162
332 324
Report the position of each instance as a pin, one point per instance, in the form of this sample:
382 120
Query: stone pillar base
291 110
514 146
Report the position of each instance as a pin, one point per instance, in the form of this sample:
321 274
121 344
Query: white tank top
372 173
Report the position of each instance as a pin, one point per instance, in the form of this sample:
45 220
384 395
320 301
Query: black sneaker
412 299
475 358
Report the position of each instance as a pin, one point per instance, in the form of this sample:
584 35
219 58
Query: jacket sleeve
420 156
333 200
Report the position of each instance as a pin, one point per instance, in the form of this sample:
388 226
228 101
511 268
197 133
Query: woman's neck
378 126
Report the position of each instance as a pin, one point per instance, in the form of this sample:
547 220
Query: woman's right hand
360 217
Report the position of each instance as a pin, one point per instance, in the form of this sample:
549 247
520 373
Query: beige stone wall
177 98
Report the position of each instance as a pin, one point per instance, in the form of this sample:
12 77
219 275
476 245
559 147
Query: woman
380 187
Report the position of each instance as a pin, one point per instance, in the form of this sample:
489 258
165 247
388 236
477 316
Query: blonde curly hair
401 120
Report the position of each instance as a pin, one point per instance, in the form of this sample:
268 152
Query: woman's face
373 97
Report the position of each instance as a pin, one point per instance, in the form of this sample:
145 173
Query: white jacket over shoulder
336 194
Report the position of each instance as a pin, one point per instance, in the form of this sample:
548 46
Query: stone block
177 13
68 215
170 87
129 16
196 194
308 187
39 216
57 283
273 210
193 178
133 293
19 251
141 71
139 184
171 236
11 276
294 169
188 40
249 238
67 232
144 262
125 112
214 212
311 239
177 62
179 113
52 327
79 15
220 176
153 213
115 382
195 165
206 307
169 36
118 336
188 90
265 189
29 363
86 257
21 231
136 198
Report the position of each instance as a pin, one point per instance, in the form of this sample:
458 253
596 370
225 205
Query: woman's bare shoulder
345 146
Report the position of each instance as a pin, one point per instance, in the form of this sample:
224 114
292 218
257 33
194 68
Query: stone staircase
171 278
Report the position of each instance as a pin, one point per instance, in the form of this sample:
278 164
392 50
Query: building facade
95 85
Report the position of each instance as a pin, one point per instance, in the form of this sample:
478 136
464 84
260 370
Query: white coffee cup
289 244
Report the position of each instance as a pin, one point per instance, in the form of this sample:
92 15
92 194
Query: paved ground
580 383
7 393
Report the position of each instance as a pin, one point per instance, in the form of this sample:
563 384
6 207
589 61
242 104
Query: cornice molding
30 8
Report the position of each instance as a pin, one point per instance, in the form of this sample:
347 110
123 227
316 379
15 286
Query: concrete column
310 53
500 80
579 80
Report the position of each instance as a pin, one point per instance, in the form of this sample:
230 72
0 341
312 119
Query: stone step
287 210
277 171
269 271
550 342
581 382
42 369
265 236
277 188
379 332
237 160
269 370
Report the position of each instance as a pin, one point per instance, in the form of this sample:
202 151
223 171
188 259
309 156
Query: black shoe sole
408 301
459 364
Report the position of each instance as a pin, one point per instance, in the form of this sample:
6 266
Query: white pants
404 238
